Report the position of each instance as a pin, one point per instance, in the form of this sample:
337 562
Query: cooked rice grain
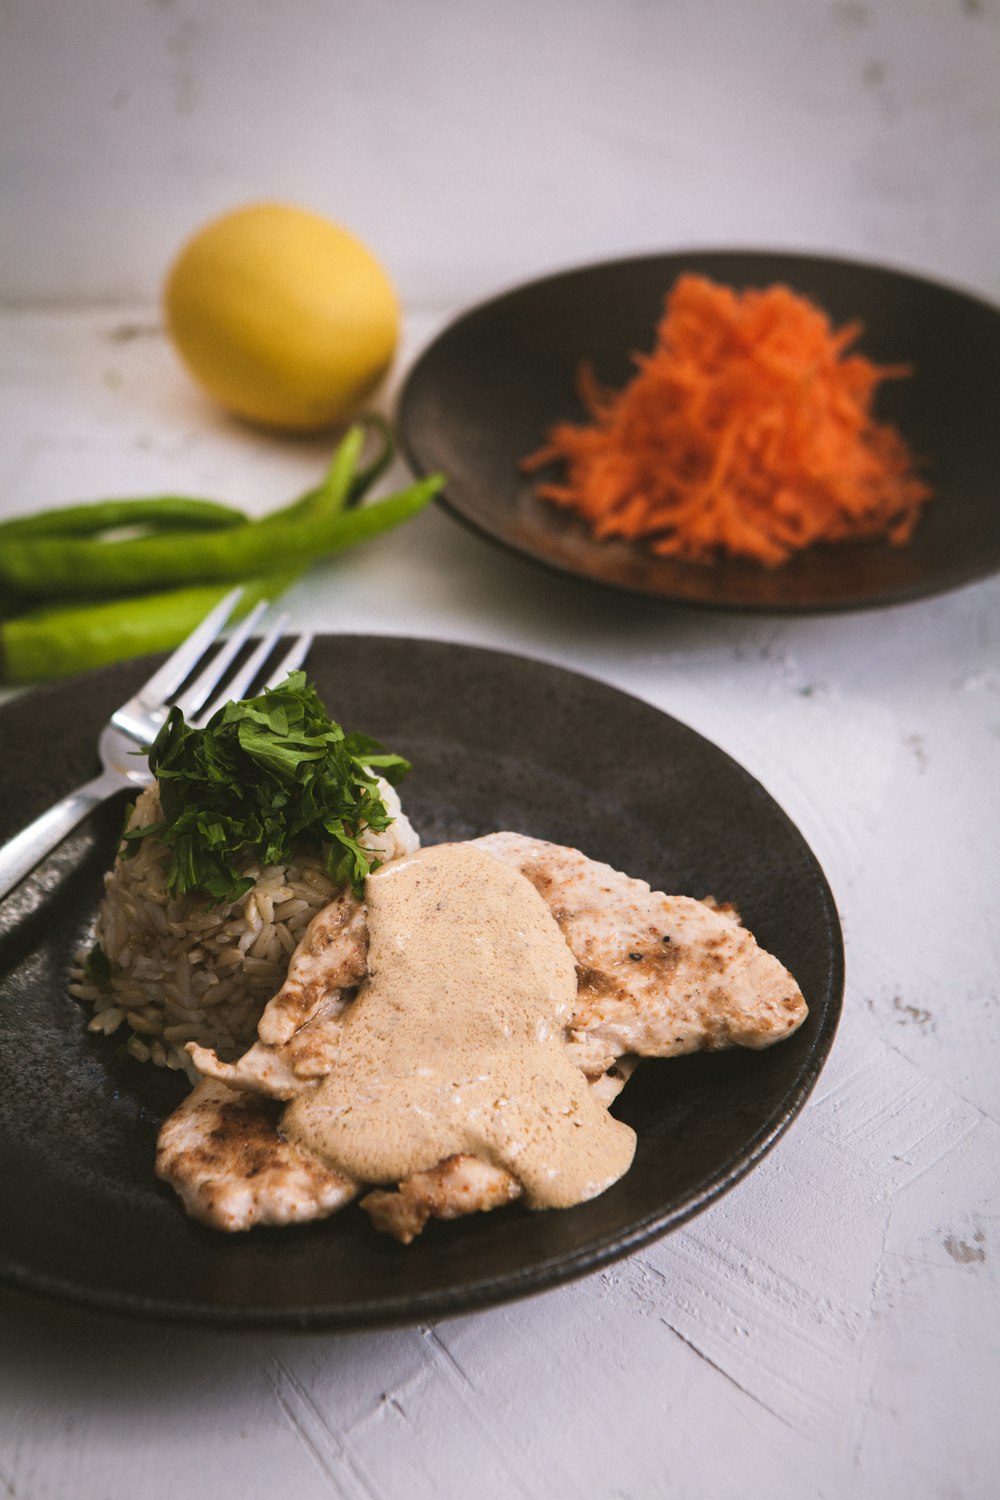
184 971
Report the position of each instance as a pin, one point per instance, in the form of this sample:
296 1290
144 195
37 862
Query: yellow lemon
282 316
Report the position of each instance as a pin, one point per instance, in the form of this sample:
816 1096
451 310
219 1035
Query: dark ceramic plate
496 741
489 387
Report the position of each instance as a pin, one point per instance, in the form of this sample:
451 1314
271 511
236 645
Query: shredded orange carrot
747 431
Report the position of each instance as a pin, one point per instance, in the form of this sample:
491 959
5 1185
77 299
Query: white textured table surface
830 1328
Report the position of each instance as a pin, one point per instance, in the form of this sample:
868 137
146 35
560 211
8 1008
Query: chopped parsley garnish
97 968
266 776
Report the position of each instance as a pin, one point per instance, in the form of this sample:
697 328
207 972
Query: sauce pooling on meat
454 1043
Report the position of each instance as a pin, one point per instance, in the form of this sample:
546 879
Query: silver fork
136 722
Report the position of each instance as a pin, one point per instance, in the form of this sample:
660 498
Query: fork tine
294 657
251 668
204 684
169 677
240 681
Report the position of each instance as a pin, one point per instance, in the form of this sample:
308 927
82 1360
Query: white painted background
831 1328
474 143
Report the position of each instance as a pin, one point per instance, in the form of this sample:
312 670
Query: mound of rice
183 970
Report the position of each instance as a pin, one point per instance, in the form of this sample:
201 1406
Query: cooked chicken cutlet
458 1185
657 976
299 1024
223 1153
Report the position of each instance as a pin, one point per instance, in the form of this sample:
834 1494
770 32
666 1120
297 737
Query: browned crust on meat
458 1185
223 1152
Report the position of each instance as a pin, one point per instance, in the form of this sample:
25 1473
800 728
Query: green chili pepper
338 484
75 569
156 513
317 524
185 512
344 485
49 643
166 580
366 477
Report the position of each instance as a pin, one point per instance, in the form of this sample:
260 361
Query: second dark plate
486 391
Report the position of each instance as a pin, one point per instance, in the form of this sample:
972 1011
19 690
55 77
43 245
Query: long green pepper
57 572
49 643
74 569
324 520
158 513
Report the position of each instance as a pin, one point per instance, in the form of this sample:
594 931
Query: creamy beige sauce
454 1042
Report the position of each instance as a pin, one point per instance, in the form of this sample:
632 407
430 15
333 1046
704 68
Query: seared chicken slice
608 1085
464 1184
657 975
458 1185
223 1154
299 1025
332 956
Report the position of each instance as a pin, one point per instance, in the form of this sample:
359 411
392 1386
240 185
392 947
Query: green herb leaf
265 776
97 968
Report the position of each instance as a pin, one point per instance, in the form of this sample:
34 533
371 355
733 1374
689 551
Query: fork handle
26 849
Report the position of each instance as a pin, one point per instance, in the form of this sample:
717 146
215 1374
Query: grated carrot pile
747 431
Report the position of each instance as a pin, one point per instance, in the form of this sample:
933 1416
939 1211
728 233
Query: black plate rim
972 570
534 1277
